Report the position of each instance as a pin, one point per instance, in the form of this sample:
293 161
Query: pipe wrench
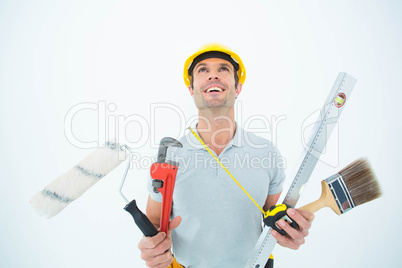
163 174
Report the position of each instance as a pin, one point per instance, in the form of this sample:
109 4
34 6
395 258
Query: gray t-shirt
220 224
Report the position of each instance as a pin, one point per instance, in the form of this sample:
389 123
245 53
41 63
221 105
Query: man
214 223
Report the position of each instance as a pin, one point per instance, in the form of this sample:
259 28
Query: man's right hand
156 250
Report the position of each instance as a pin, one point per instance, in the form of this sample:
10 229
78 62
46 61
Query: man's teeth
214 89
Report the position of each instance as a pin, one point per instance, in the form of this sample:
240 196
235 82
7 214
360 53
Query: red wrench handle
167 174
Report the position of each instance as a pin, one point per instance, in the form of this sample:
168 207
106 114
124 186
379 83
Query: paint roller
71 185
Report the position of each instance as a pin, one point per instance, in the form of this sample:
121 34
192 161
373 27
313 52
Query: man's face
213 84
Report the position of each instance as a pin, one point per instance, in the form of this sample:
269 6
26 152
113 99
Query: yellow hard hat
220 50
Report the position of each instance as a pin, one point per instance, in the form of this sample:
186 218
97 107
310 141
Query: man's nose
213 75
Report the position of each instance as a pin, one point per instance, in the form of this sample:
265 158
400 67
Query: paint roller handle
145 225
142 221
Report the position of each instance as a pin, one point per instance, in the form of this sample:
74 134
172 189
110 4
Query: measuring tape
322 129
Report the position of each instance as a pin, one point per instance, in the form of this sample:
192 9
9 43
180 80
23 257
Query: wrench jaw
163 146
163 174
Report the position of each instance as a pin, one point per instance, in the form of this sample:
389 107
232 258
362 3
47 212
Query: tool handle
314 206
142 221
164 178
326 199
270 262
145 225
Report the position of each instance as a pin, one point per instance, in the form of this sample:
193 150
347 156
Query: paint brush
354 185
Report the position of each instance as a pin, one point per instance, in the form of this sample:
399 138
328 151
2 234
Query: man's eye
202 69
224 69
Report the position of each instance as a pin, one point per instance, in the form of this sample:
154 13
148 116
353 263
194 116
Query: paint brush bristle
361 181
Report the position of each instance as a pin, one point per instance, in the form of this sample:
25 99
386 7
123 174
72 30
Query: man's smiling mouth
214 89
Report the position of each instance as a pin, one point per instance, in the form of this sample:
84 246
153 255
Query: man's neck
216 130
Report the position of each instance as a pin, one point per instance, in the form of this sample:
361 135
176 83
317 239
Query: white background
129 55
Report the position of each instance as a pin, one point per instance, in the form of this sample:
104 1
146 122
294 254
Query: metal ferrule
340 192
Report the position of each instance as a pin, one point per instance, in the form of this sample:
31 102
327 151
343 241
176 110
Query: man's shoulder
250 139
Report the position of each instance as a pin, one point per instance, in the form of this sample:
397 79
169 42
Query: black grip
270 262
142 221
275 215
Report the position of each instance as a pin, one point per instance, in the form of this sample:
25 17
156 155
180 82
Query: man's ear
238 89
191 91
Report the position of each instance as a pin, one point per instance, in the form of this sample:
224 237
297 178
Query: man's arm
295 237
154 211
271 201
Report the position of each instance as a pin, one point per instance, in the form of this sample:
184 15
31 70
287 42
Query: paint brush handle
278 212
314 206
142 221
326 200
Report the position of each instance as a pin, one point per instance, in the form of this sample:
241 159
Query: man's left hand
295 237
